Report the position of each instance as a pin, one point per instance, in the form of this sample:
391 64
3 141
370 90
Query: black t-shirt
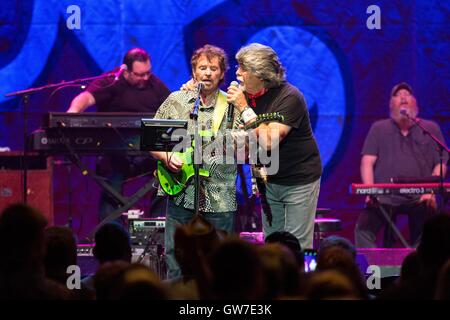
299 161
120 96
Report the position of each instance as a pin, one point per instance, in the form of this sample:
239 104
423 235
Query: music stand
162 134
156 135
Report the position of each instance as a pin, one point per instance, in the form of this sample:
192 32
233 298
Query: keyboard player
397 147
132 88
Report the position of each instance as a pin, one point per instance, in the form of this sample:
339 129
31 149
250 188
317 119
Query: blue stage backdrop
345 69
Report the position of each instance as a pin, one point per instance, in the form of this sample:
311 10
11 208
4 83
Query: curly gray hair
263 62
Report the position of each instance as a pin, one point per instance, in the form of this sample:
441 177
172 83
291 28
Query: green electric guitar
173 183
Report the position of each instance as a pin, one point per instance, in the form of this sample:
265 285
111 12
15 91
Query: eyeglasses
141 75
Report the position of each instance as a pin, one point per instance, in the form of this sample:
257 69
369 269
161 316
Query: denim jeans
292 208
177 216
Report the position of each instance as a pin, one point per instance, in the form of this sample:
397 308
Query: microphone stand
442 147
197 149
25 99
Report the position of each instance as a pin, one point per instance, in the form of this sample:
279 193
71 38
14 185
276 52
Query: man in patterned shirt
217 196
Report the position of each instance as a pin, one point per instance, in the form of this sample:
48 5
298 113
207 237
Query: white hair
263 62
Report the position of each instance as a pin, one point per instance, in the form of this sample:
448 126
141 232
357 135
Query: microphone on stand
200 86
122 68
404 112
231 108
194 112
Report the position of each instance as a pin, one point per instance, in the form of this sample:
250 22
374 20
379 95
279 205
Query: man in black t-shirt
289 196
398 148
135 89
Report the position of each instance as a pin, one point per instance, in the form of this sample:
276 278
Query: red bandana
253 97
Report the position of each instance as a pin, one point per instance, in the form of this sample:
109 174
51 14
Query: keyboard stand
394 227
125 202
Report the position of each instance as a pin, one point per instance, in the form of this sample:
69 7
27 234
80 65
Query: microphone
122 68
194 113
404 112
231 108
200 87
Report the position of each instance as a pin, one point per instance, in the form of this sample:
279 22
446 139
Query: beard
401 119
141 84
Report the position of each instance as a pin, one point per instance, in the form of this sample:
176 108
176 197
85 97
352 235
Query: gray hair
263 62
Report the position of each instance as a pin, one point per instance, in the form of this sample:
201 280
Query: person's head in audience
121 280
433 250
290 241
434 247
138 282
60 252
443 286
342 242
410 270
340 259
280 271
112 242
21 238
330 285
194 243
237 271
21 256
107 278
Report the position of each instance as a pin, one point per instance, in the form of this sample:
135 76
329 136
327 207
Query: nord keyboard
396 188
94 119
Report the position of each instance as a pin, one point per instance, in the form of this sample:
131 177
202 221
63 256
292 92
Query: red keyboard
396 188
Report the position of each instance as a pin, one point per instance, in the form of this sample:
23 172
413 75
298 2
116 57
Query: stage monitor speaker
153 257
39 182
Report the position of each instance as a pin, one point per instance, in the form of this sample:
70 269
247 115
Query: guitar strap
219 111
218 116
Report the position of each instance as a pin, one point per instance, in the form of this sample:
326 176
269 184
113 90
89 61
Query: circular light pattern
313 68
